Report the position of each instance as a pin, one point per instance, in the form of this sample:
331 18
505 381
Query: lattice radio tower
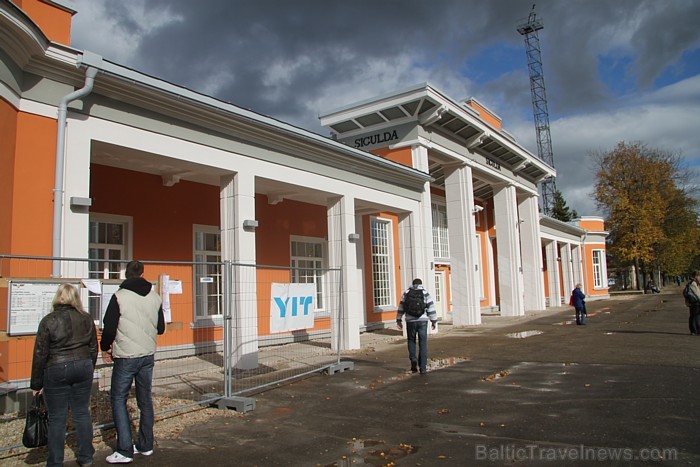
539 106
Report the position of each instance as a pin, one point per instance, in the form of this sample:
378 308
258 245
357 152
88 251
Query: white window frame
93 301
126 247
199 318
441 245
320 278
600 274
389 296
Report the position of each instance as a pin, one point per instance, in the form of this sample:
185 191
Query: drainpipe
58 191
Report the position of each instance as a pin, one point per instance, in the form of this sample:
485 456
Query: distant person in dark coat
579 299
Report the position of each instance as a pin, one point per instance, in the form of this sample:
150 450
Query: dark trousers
694 320
67 385
125 372
419 329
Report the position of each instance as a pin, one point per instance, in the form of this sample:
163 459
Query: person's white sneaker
143 453
118 458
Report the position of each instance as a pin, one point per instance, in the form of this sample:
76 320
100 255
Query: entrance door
440 294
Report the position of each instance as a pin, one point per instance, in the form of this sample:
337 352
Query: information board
28 303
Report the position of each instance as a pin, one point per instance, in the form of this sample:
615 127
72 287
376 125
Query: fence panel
261 358
218 340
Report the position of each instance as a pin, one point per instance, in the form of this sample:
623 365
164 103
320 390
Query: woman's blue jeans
126 371
68 385
419 328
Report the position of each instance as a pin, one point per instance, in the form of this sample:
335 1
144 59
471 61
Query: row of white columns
564 269
517 239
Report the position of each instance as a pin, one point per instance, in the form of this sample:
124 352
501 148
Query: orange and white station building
412 184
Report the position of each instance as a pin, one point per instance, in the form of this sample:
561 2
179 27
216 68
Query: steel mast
539 106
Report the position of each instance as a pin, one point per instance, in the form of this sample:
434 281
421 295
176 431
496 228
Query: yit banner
292 307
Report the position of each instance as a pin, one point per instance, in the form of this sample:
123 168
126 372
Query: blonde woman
65 353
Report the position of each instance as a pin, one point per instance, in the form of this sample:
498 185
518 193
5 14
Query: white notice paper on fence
292 307
165 297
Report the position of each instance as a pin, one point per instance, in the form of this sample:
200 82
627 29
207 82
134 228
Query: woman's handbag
36 429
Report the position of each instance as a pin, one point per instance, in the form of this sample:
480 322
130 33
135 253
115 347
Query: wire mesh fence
222 338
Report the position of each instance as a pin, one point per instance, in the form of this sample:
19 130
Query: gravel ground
168 426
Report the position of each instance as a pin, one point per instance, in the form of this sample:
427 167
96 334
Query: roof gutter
58 190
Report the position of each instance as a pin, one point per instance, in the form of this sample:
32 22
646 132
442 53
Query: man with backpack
691 293
419 308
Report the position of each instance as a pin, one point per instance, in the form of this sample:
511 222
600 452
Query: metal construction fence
223 340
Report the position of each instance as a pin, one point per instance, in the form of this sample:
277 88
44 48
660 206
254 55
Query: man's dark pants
694 319
125 371
419 328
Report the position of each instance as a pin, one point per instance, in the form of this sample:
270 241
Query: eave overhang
434 111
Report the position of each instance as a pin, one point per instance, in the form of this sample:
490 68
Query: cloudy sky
615 70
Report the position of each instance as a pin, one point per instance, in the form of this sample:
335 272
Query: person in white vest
133 319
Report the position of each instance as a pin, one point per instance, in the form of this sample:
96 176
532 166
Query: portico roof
434 111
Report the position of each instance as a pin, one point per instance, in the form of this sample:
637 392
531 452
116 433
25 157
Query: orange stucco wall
485 114
8 131
402 156
588 270
162 216
280 221
32 188
54 22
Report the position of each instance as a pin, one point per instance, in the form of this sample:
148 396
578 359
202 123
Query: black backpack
690 296
414 303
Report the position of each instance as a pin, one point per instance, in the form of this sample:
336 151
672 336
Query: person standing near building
692 301
419 308
65 353
133 318
579 301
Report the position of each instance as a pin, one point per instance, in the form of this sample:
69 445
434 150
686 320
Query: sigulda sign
376 138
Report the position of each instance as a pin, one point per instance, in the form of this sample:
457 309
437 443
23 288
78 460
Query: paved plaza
533 390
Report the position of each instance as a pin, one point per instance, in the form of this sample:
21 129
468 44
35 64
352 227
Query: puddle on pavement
523 334
438 363
373 452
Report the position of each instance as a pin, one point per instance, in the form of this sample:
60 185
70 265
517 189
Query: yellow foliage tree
637 187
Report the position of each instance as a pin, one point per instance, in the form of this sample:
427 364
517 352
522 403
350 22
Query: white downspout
58 191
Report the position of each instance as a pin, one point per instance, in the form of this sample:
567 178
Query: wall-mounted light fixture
353 237
250 224
77 202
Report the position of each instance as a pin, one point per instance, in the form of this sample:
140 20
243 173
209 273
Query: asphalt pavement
532 390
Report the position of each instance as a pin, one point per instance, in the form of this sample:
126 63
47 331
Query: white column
76 220
533 277
567 270
342 254
237 198
510 277
459 192
577 263
418 242
552 254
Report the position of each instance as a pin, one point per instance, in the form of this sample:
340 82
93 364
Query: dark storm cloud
293 59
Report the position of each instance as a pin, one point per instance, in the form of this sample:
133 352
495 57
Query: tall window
599 269
382 261
440 246
307 263
207 276
109 240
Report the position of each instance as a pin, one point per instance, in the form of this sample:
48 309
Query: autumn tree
560 210
648 214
